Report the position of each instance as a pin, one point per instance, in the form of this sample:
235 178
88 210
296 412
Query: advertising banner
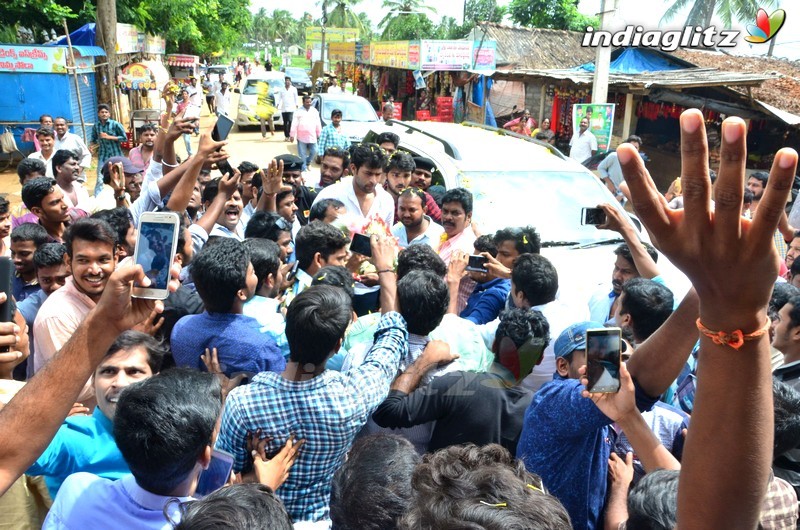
601 121
342 51
40 59
127 38
314 34
457 55
389 53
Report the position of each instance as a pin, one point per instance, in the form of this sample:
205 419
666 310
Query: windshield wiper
601 243
559 244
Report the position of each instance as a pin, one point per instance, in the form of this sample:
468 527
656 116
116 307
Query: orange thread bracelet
735 339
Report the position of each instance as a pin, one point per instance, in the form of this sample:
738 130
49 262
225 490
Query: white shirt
431 237
287 99
73 142
582 145
85 202
48 165
195 96
333 89
223 101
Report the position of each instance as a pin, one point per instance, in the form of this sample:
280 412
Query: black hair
103 106
372 489
320 208
282 194
163 424
264 225
634 138
787 417
43 116
61 157
119 218
236 507
648 303
317 237
247 167
526 239
92 230
45 131
152 127
420 257
29 166
315 322
762 176
748 196
388 137
30 232
131 339
35 190
461 196
781 293
795 268
794 314
520 324
369 155
485 243
338 152
49 255
400 161
624 251
422 298
336 276
219 271
336 112
413 192
4 205
265 255
212 190
536 277
462 485
653 502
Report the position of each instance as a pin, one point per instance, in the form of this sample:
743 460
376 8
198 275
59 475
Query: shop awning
89 51
185 61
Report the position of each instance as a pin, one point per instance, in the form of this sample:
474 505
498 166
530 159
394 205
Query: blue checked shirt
107 148
330 138
327 411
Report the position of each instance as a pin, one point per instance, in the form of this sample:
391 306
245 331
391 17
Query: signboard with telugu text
342 51
38 59
457 55
314 34
127 38
393 54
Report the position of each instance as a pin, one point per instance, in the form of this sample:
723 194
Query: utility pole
322 44
107 38
603 55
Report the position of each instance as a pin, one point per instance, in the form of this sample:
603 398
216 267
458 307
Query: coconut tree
402 8
342 15
729 11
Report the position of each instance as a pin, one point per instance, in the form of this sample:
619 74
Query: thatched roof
535 48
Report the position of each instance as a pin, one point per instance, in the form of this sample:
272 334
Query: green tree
405 17
449 29
366 34
554 14
42 15
483 11
729 11
342 15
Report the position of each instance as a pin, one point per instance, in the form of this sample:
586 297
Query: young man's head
327 210
224 276
285 205
757 183
47 139
30 168
644 305
91 255
66 166
164 428
231 212
398 173
336 276
147 135
103 112
378 468
420 257
456 211
520 340
411 208
248 170
786 401
513 242
787 330
422 298
653 502
534 281
570 349
287 82
483 244
306 102
269 225
239 507
388 141
50 263
335 161
315 324
265 255
25 239
134 357
292 170
60 126
794 249
366 164
121 221
320 244
423 172
5 218
625 268
204 178
634 140
45 201
336 116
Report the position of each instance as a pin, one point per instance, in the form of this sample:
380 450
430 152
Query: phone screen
361 245
222 129
477 264
6 286
593 216
603 359
217 474
154 251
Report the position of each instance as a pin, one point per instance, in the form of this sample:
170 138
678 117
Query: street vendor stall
182 67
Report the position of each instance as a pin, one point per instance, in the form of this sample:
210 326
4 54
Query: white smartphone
156 244
191 113
603 348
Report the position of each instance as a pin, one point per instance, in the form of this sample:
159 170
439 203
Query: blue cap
573 338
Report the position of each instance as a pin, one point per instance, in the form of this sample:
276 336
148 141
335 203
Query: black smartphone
217 474
220 133
361 245
6 286
593 216
477 264
603 359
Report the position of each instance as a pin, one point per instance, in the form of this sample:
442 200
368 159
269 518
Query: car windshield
251 88
297 74
352 109
549 201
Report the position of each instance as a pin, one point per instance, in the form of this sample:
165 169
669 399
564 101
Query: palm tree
729 11
402 8
283 24
342 15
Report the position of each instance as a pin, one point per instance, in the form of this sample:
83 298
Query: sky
787 42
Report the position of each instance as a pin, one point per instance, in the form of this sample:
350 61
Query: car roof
266 76
480 149
335 96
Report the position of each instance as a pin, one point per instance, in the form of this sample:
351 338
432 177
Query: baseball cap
425 163
127 166
291 162
573 338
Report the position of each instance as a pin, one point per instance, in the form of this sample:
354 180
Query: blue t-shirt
240 344
486 301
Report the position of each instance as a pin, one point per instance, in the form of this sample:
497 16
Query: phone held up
6 286
217 474
220 133
477 264
361 245
603 357
156 245
593 216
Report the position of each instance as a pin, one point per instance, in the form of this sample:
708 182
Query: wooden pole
75 78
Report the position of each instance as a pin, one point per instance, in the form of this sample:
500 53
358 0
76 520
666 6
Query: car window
297 74
549 201
251 88
352 109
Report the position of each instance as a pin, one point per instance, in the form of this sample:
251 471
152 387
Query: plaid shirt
108 148
779 508
331 138
327 411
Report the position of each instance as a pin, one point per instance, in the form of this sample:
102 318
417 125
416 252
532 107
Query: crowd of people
382 382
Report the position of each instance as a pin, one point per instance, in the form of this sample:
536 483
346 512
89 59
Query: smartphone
217 474
603 359
477 264
156 244
220 133
361 245
593 216
6 286
191 113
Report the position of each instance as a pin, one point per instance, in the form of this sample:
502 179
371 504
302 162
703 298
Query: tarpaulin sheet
636 61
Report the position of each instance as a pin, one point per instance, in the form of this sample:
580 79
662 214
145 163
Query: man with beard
399 174
756 183
248 171
304 196
583 144
67 140
45 200
286 207
456 220
333 166
143 153
423 172
66 169
228 221
414 227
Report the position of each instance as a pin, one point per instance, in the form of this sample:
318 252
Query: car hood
356 130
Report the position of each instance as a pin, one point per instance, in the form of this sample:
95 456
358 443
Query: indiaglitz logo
766 26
